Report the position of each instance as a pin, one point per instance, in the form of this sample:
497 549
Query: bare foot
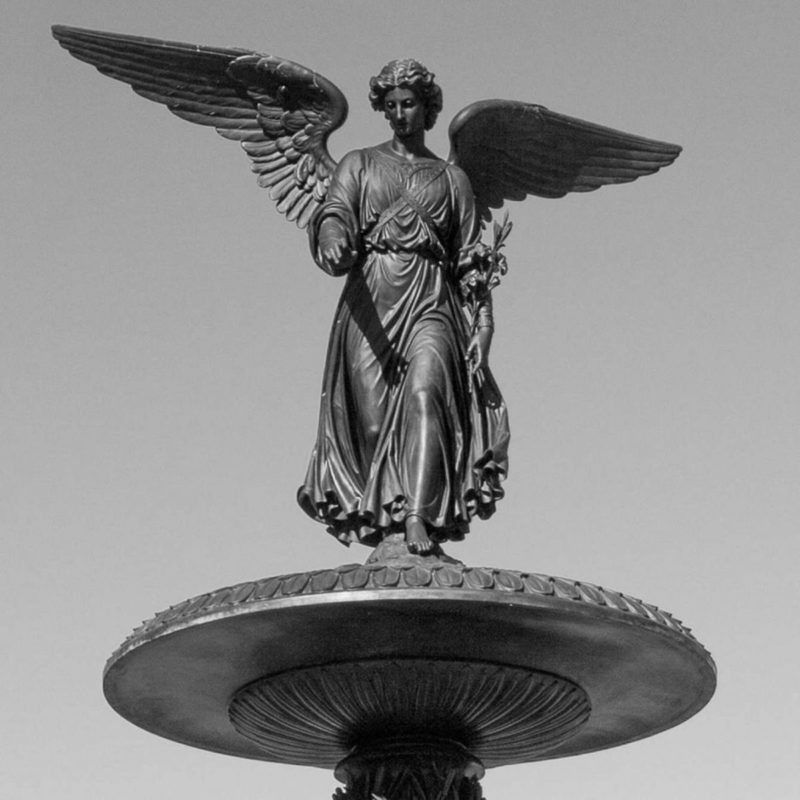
417 539
365 531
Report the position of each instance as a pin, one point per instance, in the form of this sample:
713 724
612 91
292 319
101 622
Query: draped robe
404 428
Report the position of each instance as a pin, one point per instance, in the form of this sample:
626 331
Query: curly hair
406 73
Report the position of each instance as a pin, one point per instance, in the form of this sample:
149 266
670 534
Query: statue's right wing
281 112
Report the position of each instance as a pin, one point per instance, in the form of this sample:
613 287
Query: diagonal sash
413 201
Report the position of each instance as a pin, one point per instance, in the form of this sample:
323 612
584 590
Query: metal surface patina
412 673
330 667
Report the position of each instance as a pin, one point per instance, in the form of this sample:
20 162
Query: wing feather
511 149
304 208
281 113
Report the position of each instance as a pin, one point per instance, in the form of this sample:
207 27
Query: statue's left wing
511 149
281 112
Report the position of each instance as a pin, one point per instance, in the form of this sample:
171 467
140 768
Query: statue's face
405 112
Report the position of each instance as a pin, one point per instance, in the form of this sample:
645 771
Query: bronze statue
413 431
410 674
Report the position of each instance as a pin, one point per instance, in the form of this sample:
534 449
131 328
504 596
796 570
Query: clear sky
163 336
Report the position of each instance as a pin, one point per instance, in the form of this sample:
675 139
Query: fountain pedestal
410 676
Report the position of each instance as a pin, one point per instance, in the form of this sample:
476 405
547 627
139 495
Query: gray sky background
163 336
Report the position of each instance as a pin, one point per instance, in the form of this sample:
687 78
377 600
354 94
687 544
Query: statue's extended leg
417 539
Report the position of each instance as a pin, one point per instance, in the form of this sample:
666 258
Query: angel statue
413 432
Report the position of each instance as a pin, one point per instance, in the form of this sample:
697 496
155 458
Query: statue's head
406 73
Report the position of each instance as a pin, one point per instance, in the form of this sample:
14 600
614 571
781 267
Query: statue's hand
336 257
478 350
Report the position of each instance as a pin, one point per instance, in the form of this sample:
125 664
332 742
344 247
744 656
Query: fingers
476 356
337 256
333 252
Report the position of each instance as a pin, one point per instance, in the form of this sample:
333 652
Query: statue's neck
410 147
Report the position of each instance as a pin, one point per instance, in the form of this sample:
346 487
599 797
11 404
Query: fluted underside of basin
499 713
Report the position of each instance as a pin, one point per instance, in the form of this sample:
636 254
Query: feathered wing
511 149
281 112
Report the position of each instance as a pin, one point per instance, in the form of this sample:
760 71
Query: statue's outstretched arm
334 231
281 112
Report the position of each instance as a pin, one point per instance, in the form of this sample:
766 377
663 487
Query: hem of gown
359 526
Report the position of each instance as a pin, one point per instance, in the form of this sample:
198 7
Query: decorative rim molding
641 670
452 577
